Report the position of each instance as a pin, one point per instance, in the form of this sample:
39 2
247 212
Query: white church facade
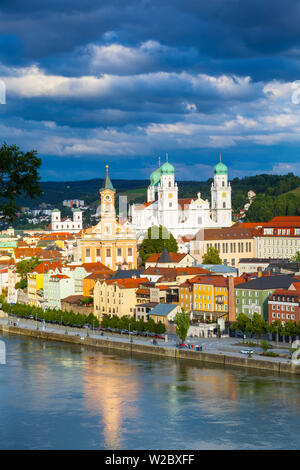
183 217
66 225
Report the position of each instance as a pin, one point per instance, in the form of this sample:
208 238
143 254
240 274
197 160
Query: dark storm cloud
134 78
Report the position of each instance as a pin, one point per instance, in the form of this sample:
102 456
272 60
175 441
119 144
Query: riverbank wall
175 353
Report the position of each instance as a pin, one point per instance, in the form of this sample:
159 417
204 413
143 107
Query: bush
270 354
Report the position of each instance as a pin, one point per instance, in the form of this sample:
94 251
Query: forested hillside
276 194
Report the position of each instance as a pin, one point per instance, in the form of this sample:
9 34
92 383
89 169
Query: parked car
246 351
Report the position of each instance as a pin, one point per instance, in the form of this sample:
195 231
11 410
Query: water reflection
111 388
55 395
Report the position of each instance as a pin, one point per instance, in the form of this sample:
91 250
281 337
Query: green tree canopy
211 256
257 325
157 238
242 323
182 322
18 176
23 268
27 265
296 257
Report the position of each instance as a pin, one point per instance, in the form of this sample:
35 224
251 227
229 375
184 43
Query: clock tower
221 196
108 213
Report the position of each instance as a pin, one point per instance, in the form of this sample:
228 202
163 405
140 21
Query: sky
90 83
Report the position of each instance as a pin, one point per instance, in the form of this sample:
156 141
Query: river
60 396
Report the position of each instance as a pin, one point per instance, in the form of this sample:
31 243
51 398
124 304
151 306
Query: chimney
231 299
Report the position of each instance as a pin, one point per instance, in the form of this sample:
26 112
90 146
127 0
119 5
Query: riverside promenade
223 351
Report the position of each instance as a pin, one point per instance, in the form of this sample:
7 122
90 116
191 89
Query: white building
66 225
183 216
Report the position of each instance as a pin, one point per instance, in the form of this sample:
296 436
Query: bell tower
221 196
108 213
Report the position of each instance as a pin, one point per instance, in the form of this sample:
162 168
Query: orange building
111 242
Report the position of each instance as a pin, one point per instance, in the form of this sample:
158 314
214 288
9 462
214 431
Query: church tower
167 197
108 213
221 196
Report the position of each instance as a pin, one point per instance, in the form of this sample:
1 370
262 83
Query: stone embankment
175 353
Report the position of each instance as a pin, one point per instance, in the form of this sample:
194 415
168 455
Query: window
108 252
129 251
119 251
98 252
87 252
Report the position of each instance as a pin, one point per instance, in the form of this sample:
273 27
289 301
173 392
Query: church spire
107 184
220 157
158 162
167 157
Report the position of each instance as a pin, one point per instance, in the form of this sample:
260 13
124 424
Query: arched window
199 220
170 184
223 183
224 205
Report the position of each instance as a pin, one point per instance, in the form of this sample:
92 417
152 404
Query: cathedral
183 217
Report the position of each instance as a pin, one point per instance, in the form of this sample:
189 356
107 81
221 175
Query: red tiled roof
145 204
96 267
226 233
46 266
57 236
218 281
127 283
287 292
143 291
60 276
175 257
184 202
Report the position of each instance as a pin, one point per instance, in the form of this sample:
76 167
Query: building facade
279 238
112 241
66 225
232 243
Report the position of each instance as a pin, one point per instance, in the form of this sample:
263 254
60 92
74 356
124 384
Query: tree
296 257
18 176
264 345
275 328
24 267
242 323
157 238
257 325
211 256
290 329
182 322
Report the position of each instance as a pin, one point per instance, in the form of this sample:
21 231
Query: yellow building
35 281
210 297
116 296
111 242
